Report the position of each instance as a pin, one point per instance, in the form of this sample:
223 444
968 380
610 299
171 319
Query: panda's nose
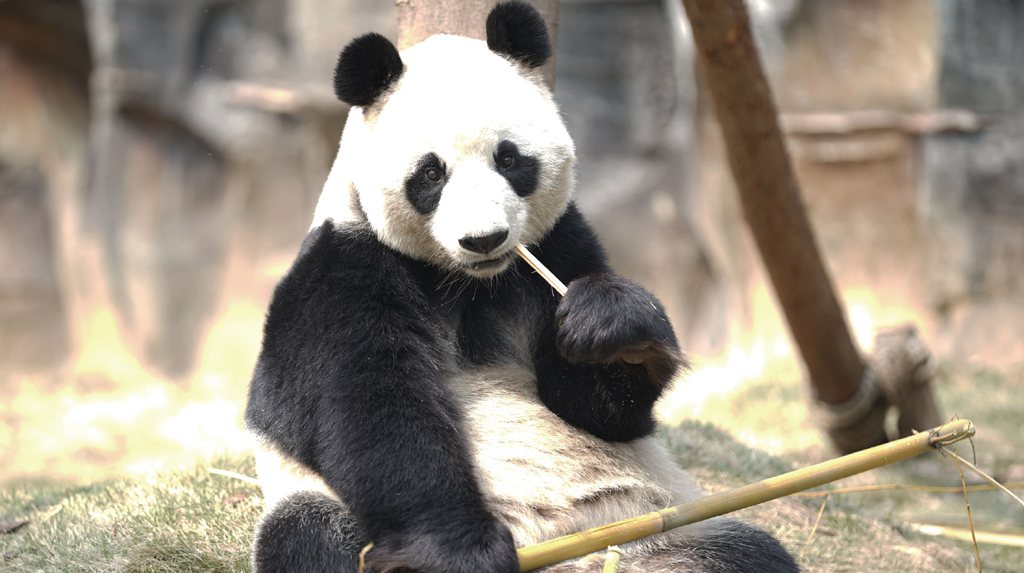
484 244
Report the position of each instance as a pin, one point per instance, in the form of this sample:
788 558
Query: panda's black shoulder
572 249
330 255
322 333
330 245
337 270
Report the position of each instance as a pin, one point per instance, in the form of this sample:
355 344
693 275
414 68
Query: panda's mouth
488 267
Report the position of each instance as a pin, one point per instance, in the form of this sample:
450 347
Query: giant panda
422 389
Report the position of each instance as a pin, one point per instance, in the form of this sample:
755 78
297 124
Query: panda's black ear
516 29
366 67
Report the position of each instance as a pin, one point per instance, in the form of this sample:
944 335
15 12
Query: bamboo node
611 559
938 441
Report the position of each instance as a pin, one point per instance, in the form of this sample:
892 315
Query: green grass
192 521
179 521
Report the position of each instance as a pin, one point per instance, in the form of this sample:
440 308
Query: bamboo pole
598 538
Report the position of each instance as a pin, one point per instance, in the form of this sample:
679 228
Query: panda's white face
466 157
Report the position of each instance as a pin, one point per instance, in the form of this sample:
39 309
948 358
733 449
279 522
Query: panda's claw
604 318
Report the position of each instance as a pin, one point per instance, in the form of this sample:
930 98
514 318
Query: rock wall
903 119
973 184
160 159
44 118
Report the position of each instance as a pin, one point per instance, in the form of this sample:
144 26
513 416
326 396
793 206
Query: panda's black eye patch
423 186
521 171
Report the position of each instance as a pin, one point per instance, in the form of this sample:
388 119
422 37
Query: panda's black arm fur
348 382
578 376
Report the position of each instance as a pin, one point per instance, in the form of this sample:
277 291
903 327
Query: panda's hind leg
309 532
732 547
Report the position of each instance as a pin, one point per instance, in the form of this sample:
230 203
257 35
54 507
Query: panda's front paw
605 318
447 548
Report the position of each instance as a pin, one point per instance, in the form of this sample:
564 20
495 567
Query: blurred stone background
160 161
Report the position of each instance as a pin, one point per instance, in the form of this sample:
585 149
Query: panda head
454 150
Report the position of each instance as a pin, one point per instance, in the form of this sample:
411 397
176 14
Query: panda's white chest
545 478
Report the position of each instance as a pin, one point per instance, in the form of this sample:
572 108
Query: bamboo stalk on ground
578 544
990 537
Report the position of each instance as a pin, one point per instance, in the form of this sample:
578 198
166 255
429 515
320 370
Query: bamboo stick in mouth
541 269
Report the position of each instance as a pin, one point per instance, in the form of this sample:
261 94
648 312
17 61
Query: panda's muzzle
484 244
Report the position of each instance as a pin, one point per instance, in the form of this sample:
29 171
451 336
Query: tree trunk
420 19
852 405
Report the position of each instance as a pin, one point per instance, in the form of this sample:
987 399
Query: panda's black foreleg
608 351
605 318
307 532
349 384
606 357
